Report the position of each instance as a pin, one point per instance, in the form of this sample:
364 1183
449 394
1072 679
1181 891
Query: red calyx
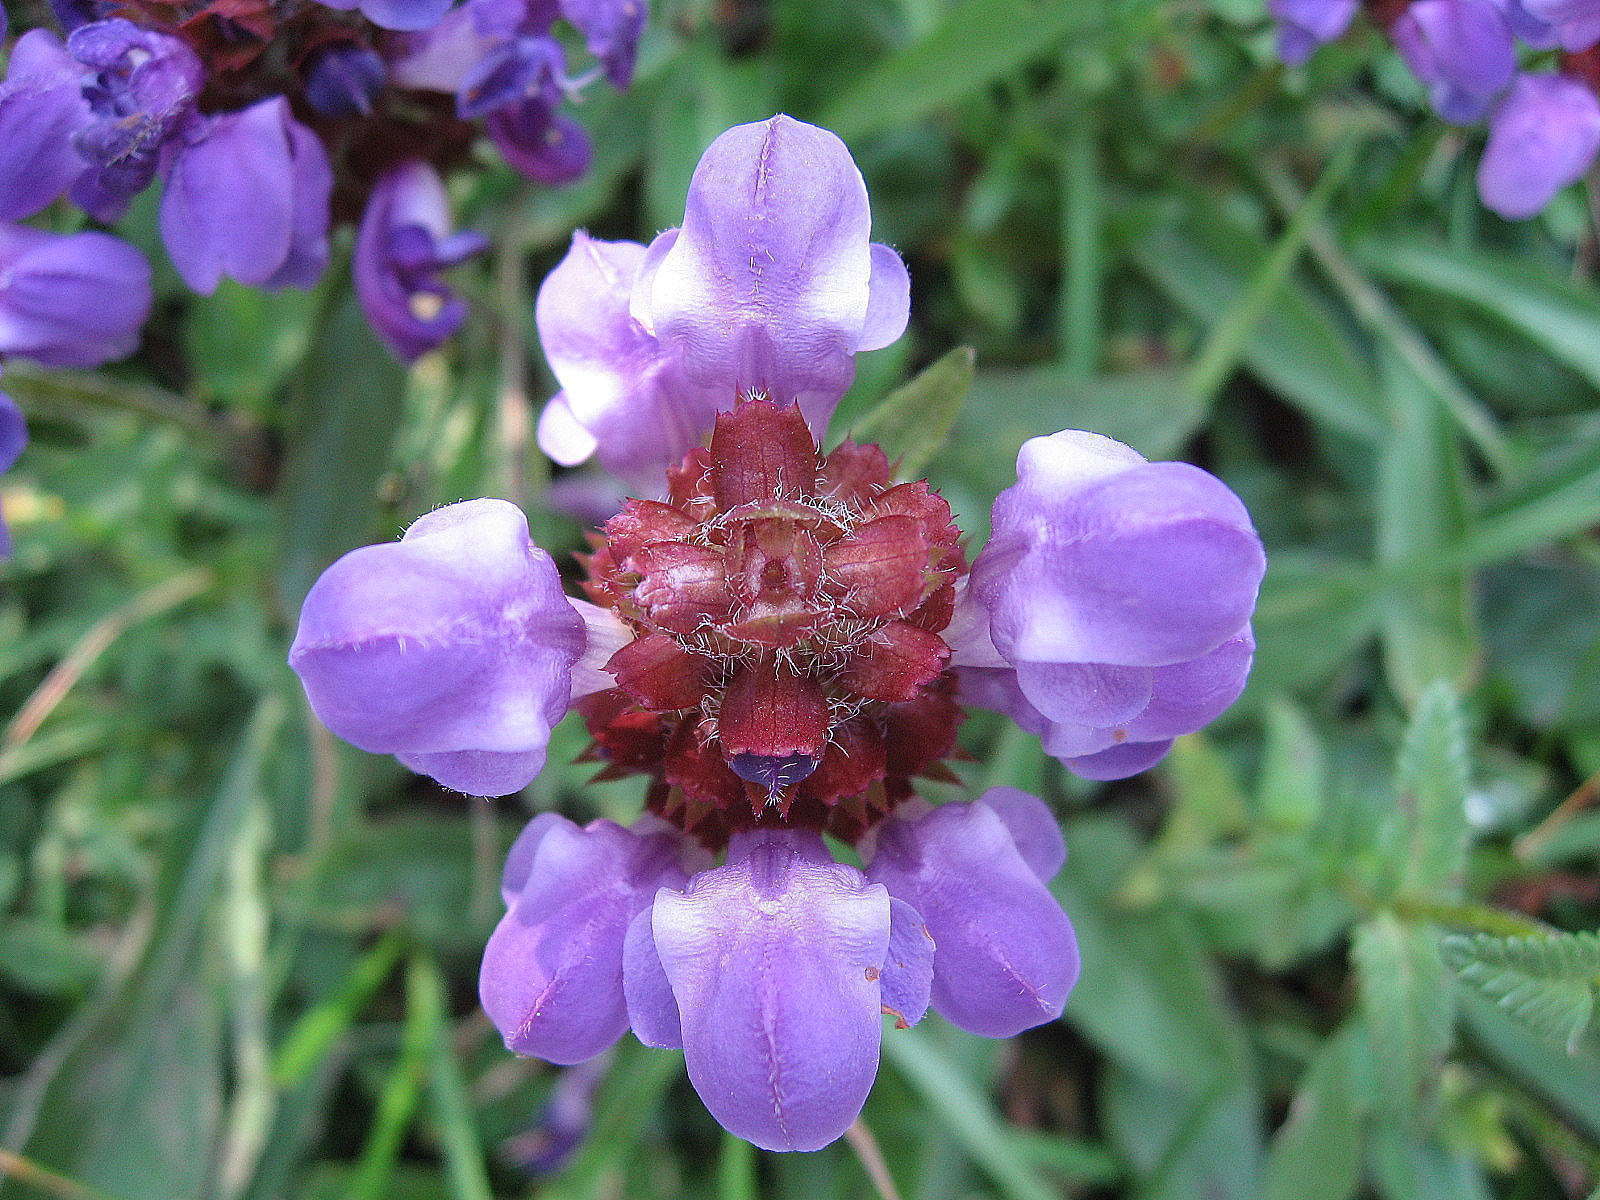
787 606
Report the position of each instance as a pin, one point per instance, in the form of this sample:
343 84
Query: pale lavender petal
1189 696
1097 557
1304 25
438 59
1543 137
1095 694
519 860
1005 956
310 215
41 108
1462 49
552 973
773 959
888 299
611 30
908 972
562 436
767 285
1119 762
652 1008
453 648
403 16
1033 829
70 300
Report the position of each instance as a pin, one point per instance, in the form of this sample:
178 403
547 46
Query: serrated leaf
1408 1007
1549 982
914 421
1431 777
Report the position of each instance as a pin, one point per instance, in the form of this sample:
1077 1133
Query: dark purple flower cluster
266 121
1544 127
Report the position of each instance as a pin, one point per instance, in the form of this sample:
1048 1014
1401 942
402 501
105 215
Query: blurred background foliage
238 960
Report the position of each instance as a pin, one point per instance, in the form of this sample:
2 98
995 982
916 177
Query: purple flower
402 245
1119 593
13 440
70 300
1543 137
141 95
552 973
247 197
452 649
399 15
1462 50
345 79
775 969
41 108
1004 954
1304 25
770 286
1575 23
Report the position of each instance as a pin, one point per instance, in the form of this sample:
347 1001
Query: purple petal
452 648
13 439
1574 23
247 198
70 300
519 860
402 245
439 59
652 1008
545 146
41 108
404 16
774 960
1189 696
1098 557
345 80
611 30
888 299
1119 762
1462 49
1033 829
1543 137
552 973
616 396
1304 25
767 286
1005 956
1086 693
908 972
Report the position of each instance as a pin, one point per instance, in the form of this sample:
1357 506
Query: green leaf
1549 982
1318 1150
1408 1009
1431 778
244 341
1428 625
914 421
1289 791
43 958
350 395
975 43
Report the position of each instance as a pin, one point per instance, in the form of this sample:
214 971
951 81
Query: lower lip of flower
787 667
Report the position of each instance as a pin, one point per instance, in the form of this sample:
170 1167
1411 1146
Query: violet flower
1119 593
41 107
70 300
400 15
771 286
1542 137
1304 25
247 197
780 646
1462 50
345 80
402 245
1575 24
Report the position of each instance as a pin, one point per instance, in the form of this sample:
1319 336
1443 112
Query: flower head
1541 138
779 645
70 300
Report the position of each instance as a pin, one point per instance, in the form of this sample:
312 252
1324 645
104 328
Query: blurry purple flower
611 31
770 286
399 15
142 96
552 972
1004 954
1462 51
546 146
1544 136
344 80
452 649
41 108
1304 25
1119 591
1575 23
566 1120
402 245
72 13
13 439
247 197
70 300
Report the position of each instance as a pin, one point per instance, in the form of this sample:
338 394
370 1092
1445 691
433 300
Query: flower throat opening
787 667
